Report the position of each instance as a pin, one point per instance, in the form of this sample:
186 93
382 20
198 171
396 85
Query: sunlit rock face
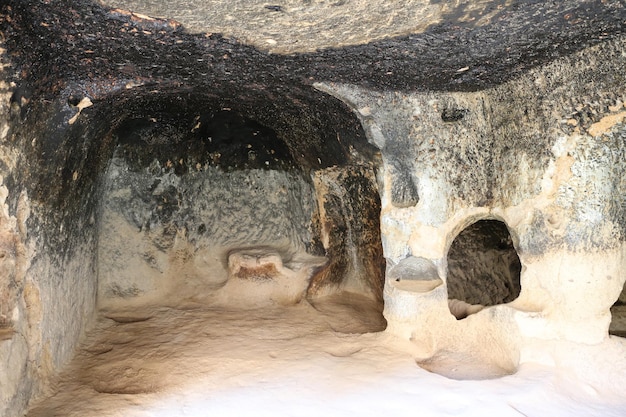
543 154
147 160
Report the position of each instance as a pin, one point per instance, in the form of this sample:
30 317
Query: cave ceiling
262 59
469 45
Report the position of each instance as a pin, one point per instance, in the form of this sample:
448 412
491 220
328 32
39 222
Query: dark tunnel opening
483 266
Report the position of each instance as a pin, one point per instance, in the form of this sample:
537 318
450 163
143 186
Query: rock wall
483 266
187 197
86 167
167 237
543 153
48 285
98 214
349 207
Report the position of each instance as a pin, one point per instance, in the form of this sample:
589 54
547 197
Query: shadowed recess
483 266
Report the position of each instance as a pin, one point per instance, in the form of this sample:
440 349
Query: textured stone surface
349 206
529 153
463 52
164 234
489 109
522 140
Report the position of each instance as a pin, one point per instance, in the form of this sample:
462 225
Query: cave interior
441 188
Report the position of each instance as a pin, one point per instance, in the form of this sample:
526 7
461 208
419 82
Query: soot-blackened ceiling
81 40
133 67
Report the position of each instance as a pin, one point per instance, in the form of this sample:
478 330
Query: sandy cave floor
304 361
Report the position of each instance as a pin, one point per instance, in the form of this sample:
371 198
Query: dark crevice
483 265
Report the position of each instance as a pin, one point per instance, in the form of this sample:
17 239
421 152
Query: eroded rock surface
269 155
529 153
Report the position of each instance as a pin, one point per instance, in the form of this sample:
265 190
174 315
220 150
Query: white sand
303 361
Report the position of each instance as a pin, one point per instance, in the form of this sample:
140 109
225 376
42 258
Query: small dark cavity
73 100
453 114
128 319
103 389
274 8
99 350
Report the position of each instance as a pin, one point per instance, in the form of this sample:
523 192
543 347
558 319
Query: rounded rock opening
483 268
214 204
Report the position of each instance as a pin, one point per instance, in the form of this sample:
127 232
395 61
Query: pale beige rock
567 291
